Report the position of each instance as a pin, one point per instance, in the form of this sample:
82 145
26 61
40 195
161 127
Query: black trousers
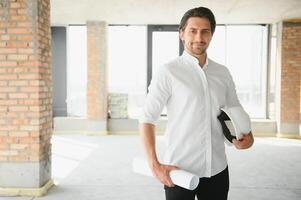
213 188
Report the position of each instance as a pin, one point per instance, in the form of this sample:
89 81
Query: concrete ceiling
170 11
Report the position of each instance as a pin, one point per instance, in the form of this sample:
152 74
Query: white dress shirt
193 96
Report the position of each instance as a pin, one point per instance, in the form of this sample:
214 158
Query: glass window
165 47
128 64
77 71
272 83
217 47
243 49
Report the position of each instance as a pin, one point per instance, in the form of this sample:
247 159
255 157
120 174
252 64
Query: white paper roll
179 177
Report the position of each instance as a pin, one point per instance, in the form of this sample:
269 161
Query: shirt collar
190 58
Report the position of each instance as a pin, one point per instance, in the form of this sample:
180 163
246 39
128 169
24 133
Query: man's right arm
159 92
161 172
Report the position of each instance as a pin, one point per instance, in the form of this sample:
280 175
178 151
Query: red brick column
97 82
25 93
290 89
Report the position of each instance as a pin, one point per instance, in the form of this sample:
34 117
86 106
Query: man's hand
245 142
161 172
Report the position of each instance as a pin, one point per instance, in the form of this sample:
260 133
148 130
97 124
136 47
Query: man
194 89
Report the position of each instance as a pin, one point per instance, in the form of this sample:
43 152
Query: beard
198 48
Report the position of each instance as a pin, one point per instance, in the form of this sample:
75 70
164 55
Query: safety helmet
239 122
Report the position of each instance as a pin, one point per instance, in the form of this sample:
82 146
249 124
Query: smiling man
194 89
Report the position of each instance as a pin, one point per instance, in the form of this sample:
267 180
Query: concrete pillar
290 78
97 81
25 97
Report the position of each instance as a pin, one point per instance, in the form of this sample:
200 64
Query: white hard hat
240 121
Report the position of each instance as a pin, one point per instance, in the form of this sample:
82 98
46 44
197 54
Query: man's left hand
245 142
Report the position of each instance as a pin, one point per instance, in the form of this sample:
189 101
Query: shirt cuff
147 121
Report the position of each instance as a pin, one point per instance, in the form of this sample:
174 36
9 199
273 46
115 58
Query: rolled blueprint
179 177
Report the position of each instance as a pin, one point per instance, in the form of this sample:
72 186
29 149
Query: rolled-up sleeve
231 95
157 97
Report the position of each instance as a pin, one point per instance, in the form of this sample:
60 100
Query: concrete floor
99 167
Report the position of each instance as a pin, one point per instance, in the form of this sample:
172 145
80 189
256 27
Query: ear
181 34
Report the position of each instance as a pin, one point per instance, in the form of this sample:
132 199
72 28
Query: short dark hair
201 12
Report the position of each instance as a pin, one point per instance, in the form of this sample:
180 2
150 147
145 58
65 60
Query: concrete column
97 82
25 97
290 78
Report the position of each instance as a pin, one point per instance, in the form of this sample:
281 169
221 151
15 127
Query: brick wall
97 87
25 80
291 73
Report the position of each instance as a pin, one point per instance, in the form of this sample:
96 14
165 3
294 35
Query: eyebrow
205 29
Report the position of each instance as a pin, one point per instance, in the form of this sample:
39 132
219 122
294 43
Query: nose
199 37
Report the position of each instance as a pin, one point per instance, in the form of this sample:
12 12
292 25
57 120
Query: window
77 71
243 49
165 46
127 64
